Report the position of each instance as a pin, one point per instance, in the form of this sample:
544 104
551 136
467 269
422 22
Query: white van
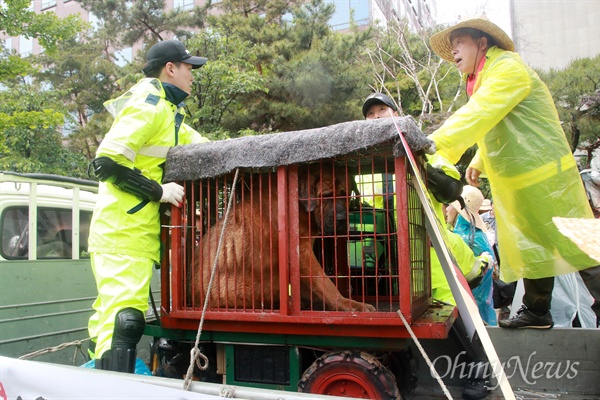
58 209
46 283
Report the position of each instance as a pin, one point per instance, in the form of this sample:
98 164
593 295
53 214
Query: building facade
63 8
420 14
549 34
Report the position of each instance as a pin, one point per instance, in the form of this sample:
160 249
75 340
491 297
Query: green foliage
85 73
132 21
274 65
30 119
291 75
219 84
570 88
31 140
16 19
13 67
30 113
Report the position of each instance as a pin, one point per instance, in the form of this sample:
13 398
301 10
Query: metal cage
353 220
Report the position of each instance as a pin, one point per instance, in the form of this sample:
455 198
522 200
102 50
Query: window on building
48 3
25 46
8 44
345 10
183 4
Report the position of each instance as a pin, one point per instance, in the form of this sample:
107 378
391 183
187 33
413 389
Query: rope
427 360
195 352
408 328
54 349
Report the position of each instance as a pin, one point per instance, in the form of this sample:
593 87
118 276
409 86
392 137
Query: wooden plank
466 304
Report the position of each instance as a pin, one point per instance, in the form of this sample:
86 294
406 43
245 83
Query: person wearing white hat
473 200
523 152
467 223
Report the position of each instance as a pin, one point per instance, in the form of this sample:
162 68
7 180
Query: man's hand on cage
172 193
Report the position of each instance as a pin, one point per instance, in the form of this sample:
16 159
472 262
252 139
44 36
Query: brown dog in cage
247 271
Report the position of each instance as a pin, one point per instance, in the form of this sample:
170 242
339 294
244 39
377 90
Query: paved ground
432 393
576 349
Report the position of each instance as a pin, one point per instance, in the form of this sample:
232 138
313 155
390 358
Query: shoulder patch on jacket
152 99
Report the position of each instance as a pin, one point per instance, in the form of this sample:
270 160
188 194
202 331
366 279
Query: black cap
377 98
170 51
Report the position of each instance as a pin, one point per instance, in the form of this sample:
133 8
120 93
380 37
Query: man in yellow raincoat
124 241
523 152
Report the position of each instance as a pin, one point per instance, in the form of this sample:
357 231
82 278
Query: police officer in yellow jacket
124 241
525 155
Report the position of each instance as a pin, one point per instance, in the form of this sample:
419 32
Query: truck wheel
349 374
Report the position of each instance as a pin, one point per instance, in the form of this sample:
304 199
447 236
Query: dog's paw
369 308
363 307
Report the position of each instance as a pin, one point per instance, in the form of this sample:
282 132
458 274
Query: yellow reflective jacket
146 126
463 255
525 155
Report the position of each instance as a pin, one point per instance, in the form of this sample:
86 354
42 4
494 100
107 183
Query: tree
308 75
84 69
30 112
131 22
422 84
220 84
37 147
589 109
404 67
17 19
574 90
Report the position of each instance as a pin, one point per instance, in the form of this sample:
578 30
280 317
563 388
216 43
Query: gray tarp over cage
207 160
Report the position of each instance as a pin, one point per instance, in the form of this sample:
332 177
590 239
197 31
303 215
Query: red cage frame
412 277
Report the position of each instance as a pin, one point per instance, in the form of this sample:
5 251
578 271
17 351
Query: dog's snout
340 210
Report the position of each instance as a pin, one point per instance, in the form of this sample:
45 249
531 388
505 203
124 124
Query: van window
54 233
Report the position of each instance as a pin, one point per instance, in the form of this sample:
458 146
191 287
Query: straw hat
486 205
473 199
440 42
584 232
